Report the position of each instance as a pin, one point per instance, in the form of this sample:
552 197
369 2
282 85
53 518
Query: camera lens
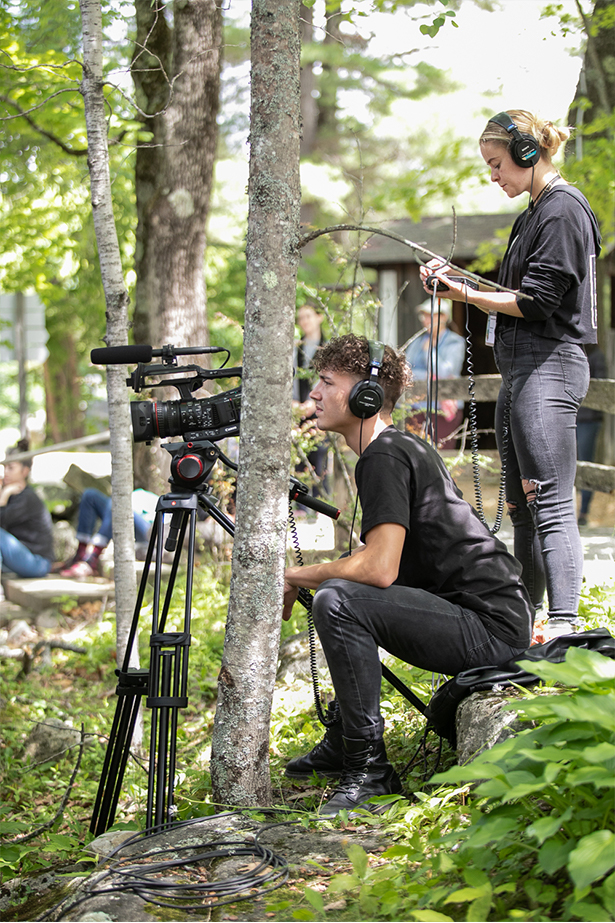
154 419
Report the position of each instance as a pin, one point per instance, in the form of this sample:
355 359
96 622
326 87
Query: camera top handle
185 386
143 354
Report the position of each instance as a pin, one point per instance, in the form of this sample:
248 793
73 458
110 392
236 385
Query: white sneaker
554 628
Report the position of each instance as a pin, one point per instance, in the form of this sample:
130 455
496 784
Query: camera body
210 418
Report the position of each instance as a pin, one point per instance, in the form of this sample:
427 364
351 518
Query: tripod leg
168 685
118 749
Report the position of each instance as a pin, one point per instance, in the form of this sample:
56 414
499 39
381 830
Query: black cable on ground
148 876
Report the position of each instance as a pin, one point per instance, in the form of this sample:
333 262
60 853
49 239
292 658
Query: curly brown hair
350 354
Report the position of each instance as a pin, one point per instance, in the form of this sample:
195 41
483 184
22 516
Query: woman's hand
9 490
456 291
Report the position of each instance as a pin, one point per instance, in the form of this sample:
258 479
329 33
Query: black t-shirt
27 518
447 551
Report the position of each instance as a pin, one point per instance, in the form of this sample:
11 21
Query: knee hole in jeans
531 488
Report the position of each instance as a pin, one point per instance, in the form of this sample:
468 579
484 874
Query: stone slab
41 593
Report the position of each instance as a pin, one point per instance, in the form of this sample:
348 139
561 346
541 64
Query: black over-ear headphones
367 397
524 148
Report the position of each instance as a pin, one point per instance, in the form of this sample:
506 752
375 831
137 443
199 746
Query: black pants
353 620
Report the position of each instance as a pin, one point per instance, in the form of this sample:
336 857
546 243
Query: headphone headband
523 147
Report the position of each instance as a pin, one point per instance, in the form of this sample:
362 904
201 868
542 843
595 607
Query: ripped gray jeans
544 382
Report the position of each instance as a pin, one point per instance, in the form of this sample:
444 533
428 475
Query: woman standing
540 330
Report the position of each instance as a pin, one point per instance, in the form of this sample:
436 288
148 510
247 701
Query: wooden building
399 287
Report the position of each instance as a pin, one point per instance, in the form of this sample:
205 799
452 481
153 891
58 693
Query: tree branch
18 840
22 113
319 232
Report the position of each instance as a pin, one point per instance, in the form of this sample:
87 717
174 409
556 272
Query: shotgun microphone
127 355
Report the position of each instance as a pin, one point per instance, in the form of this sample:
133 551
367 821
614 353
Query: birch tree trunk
240 744
116 300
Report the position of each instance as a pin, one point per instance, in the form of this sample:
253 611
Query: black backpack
442 707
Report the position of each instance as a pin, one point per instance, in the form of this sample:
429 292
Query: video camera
212 418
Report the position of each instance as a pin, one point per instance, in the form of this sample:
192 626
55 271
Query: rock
294 658
20 633
47 619
481 722
105 844
49 739
64 540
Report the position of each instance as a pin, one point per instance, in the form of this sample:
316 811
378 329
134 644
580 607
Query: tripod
165 682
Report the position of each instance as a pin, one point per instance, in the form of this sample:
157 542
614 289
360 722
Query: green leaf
358 857
602 753
10 856
606 892
315 899
553 854
479 909
476 878
593 857
597 776
546 827
489 829
430 916
343 883
465 894
584 910
581 667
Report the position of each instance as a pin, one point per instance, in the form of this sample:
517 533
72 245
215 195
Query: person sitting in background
446 361
26 535
96 507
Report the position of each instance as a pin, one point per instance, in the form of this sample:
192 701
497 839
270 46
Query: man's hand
376 563
290 598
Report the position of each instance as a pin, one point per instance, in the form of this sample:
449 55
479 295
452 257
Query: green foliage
433 29
525 831
79 687
45 213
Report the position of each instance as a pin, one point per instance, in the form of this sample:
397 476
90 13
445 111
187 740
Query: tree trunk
116 299
240 744
177 75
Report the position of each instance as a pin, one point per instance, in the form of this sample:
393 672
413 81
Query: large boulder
482 722
49 740
294 658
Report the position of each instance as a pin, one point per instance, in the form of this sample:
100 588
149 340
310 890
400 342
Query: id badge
491 322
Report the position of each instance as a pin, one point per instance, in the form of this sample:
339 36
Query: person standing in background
436 352
588 426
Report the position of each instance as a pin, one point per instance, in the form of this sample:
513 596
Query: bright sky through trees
508 58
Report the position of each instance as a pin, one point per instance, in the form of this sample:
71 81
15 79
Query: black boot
367 772
326 759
